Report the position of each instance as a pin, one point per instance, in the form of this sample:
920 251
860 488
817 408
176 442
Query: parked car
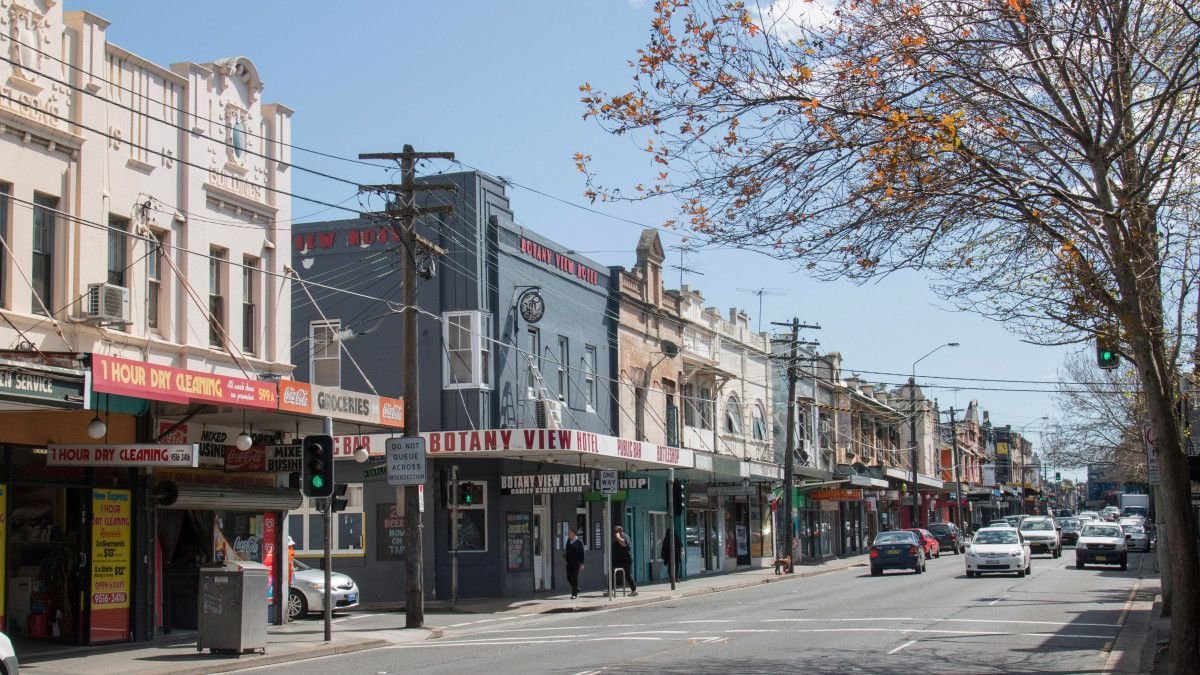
1014 521
1136 537
1042 534
307 593
998 549
1070 530
8 656
897 550
948 537
1101 543
929 543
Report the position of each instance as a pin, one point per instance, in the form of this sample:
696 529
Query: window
689 405
466 339
325 365
759 422
583 521
589 376
472 520
564 382
44 207
733 415
154 278
118 250
534 362
306 526
4 188
216 297
249 307
706 408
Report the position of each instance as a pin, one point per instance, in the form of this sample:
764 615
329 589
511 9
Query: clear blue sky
497 83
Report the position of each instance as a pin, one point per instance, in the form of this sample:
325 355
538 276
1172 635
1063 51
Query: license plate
352 597
893 551
1101 558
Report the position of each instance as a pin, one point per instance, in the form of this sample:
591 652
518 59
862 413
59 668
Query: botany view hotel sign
534 442
546 483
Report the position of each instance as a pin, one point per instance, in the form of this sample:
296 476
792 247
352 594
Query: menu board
111 556
519 542
389 533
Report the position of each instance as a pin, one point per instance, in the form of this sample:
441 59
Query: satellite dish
669 349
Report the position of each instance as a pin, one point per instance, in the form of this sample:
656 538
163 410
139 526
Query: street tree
1037 159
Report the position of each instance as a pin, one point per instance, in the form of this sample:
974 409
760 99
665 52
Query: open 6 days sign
406 461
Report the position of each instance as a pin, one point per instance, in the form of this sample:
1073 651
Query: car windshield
995 537
1070 524
1036 525
1101 531
939 528
895 538
300 567
1134 528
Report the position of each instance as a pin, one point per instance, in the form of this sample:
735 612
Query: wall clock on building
533 307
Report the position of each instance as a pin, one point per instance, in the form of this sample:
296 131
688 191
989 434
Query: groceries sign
340 404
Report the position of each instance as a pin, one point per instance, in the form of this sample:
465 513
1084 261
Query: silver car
308 592
1136 537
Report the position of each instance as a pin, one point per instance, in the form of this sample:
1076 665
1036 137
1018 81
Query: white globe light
361 455
97 428
244 441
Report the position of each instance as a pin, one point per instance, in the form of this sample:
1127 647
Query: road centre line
906 644
876 618
951 632
552 628
509 643
655 632
707 621
1044 623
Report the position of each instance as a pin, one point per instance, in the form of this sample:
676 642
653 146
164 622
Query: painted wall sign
269 458
340 404
835 495
112 375
130 455
553 441
363 237
546 483
557 260
111 557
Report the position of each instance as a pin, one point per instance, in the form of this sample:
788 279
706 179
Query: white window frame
250 305
482 506
758 418
311 514
479 345
590 357
154 280
733 413
335 325
564 377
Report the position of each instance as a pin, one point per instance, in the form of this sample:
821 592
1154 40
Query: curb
1126 654
242 663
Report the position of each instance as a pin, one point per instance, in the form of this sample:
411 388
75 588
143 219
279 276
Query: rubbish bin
232 598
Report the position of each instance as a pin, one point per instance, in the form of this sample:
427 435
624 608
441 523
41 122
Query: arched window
759 422
733 415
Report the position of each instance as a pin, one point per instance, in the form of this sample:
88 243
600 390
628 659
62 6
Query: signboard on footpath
112 375
340 404
126 456
111 557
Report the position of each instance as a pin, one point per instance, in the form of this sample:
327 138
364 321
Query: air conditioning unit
548 414
107 304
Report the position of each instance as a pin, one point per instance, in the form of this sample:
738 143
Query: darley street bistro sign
111 375
340 404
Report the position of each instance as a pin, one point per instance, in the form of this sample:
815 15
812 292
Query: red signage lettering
559 261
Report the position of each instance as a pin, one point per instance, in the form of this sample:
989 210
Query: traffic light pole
454 534
327 429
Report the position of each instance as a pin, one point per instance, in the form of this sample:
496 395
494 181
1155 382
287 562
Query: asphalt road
1057 620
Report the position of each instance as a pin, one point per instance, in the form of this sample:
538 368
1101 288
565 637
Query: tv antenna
760 292
685 250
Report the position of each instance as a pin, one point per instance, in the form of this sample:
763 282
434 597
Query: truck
1135 505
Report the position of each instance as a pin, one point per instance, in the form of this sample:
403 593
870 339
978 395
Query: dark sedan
899 550
1070 530
949 537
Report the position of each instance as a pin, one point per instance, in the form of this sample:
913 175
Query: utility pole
789 454
958 495
402 213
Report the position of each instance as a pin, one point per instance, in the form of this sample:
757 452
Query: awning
171 495
929 481
563 446
868 482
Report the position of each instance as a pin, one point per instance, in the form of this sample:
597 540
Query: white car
1043 534
1136 536
1088 515
307 593
8 656
1101 543
998 549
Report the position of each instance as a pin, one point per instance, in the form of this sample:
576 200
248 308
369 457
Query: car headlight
1015 552
315 585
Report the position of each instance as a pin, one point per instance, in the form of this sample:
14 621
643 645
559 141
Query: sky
498 85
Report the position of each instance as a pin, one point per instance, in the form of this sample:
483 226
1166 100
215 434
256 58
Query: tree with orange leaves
1037 158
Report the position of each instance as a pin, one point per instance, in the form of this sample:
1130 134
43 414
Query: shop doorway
543 560
701 541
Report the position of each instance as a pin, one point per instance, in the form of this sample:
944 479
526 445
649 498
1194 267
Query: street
1059 619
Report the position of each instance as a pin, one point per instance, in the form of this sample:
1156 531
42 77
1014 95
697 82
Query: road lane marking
1045 623
906 644
753 630
707 621
993 602
656 632
527 630
876 618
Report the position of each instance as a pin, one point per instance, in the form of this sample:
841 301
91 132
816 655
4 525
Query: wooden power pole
402 214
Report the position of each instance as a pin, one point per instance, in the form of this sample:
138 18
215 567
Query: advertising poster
270 533
111 557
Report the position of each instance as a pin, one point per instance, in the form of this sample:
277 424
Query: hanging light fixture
361 454
244 440
96 428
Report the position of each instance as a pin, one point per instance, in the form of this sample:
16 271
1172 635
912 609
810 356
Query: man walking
622 558
573 555
671 545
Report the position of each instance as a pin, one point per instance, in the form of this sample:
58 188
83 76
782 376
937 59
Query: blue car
899 550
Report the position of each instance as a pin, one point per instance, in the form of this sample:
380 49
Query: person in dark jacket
672 542
622 557
573 555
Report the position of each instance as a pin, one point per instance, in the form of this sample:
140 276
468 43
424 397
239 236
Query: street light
1025 469
912 410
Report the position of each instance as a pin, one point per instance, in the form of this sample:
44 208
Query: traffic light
340 501
1106 353
678 496
470 494
1058 476
318 466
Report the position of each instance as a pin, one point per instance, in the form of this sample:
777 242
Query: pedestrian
669 543
573 556
622 557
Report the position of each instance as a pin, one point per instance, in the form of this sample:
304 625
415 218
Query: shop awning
868 482
171 495
562 446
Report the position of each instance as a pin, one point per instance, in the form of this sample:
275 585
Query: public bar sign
112 375
836 495
340 404
124 456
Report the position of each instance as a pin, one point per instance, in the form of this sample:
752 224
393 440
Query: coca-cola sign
340 404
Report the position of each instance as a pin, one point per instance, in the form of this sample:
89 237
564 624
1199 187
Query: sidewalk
177 654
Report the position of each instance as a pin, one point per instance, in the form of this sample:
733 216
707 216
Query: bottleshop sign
112 375
532 442
340 404
126 456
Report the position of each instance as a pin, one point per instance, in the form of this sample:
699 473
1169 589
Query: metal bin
233 596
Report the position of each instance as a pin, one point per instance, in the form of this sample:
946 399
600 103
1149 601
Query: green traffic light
318 481
1106 355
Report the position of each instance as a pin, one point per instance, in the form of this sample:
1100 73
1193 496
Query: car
1069 530
1014 521
1042 534
899 549
8 656
1101 543
1110 513
948 537
1088 515
999 523
1136 537
307 593
999 549
929 543
1131 520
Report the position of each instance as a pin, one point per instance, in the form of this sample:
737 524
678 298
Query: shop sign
111 557
627 484
216 443
731 490
207 477
269 458
112 375
557 260
25 383
552 441
545 483
131 455
836 495
340 404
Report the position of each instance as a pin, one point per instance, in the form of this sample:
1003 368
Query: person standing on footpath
672 544
622 557
573 555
